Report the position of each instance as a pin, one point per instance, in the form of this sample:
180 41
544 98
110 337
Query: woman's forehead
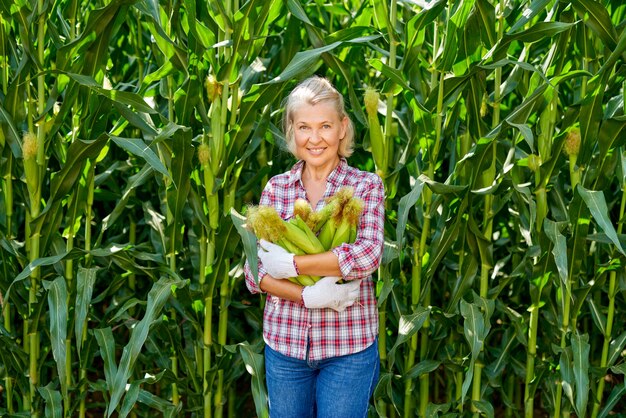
319 112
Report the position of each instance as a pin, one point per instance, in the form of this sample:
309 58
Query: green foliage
502 154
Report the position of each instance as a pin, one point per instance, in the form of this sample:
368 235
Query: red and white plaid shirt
289 327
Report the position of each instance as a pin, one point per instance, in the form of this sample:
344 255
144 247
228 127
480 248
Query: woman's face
318 130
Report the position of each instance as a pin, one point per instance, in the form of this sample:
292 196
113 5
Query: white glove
326 293
277 261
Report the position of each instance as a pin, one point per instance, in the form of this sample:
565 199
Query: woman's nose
315 136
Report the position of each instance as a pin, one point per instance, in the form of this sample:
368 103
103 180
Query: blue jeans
338 387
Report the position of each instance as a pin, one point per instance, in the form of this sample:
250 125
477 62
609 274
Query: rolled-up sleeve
361 258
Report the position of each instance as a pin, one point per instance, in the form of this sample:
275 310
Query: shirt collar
335 177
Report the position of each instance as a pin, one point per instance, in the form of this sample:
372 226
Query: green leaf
139 148
168 409
249 241
597 206
130 399
123 97
616 347
559 249
157 298
408 326
391 73
464 281
177 194
591 115
134 183
485 407
57 302
106 342
11 130
580 351
475 329
567 373
616 395
295 7
85 280
597 18
596 314
304 61
532 10
421 368
406 204
44 261
52 397
254 366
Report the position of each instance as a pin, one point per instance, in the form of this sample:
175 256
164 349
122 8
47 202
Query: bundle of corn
335 224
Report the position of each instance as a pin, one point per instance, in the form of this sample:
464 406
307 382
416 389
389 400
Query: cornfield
134 132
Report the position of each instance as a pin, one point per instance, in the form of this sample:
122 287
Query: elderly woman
321 355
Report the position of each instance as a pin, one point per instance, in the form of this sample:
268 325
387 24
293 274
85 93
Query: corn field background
499 133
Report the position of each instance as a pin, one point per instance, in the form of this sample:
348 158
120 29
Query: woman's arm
323 264
282 288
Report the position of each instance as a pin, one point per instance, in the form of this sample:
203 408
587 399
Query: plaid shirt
289 327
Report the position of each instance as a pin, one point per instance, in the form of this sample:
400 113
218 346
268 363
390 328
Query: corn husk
336 223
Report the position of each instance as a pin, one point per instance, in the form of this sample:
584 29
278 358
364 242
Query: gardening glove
326 293
277 261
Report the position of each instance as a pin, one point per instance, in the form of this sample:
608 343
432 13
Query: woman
321 355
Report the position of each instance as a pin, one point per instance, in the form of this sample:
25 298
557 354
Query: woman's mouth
316 151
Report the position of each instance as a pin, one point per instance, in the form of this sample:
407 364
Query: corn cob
307 242
334 207
377 138
336 224
327 233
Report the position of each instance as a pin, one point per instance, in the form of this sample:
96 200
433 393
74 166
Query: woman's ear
344 127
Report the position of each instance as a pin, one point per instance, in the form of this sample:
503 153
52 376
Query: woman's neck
319 173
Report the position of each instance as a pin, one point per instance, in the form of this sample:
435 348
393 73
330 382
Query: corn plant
130 129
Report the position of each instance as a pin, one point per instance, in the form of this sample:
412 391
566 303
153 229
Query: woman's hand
326 293
277 261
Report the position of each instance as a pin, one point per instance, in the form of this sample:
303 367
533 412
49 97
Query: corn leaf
408 326
474 330
58 309
580 351
85 280
106 342
177 193
249 241
254 366
598 20
406 204
53 400
559 250
597 205
157 298
137 147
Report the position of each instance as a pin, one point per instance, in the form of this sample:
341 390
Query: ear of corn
327 233
302 209
307 242
336 224
342 234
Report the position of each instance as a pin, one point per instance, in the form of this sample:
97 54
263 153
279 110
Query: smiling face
318 131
